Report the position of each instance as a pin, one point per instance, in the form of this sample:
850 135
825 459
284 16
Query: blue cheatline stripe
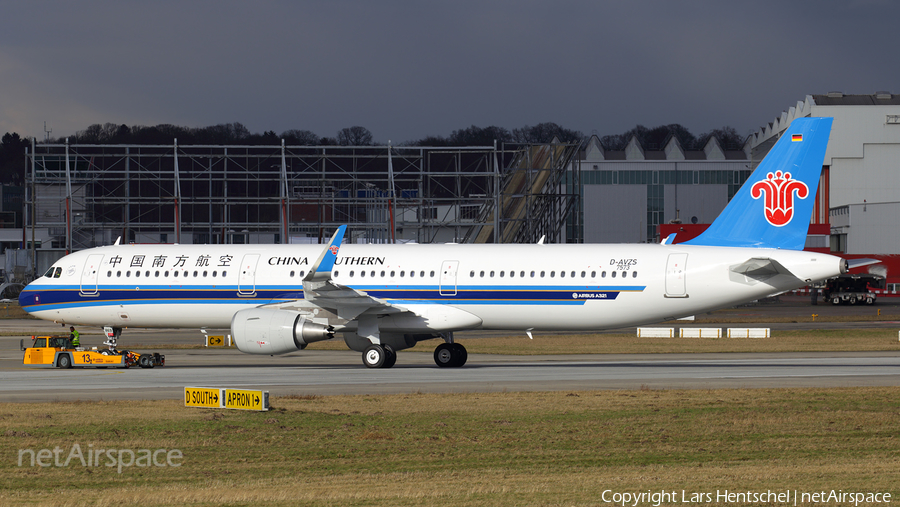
69 296
135 302
485 302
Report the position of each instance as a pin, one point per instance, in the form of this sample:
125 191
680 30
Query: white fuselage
511 287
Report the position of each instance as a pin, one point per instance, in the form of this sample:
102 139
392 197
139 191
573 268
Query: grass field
462 449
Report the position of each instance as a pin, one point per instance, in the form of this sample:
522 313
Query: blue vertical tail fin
773 207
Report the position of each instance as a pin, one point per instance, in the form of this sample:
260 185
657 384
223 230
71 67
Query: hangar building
627 194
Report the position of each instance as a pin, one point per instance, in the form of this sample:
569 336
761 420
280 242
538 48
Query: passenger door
448 278
90 275
675 275
247 276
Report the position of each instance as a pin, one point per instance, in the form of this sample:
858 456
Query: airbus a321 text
385 298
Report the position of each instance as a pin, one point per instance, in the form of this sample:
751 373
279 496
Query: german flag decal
796 138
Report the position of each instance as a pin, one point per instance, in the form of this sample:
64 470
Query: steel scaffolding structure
80 196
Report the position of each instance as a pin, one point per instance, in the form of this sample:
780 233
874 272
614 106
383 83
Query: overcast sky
410 69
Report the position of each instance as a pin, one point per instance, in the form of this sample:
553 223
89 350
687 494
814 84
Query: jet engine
271 331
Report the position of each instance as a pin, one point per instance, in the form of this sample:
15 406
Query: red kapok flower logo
779 190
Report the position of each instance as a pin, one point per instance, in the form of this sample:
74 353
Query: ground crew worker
73 336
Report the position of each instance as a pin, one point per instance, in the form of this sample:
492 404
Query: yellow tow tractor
58 351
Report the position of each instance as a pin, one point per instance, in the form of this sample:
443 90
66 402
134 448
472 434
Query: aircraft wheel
64 361
374 356
390 356
870 301
852 300
443 355
461 355
836 300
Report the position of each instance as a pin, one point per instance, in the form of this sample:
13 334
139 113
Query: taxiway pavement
342 372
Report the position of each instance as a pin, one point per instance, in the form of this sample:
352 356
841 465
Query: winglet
321 270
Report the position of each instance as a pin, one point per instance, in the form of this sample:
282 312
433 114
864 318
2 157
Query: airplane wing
347 303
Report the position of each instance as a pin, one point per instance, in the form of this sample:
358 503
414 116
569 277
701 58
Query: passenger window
471 274
512 274
553 274
532 274
634 274
603 275
501 274
593 274
166 274
542 274
382 274
302 273
481 274
492 274
156 274
432 274
573 274
562 274
522 274
412 274
195 274
109 273
118 273
147 273
351 273
336 273
392 274
127 274
582 274
372 274
204 274
175 274
226 272
137 274
362 274
292 274
614 274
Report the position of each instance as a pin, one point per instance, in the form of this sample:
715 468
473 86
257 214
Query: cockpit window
58 273
49 273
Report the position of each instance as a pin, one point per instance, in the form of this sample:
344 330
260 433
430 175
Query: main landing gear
446 355
379 356
451 355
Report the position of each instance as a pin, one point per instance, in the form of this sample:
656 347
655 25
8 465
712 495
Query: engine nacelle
271 331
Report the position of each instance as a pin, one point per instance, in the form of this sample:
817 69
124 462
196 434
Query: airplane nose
27 298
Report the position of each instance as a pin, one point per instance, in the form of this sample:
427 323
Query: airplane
382 299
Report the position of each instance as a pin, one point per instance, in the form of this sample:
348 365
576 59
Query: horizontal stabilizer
761 268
